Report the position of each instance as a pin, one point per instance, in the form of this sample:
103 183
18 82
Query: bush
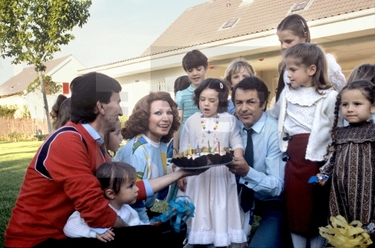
14 137
22 129
8 111
41 137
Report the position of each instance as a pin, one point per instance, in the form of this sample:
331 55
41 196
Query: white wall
34 103
66 71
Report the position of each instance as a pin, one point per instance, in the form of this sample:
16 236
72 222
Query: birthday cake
193 158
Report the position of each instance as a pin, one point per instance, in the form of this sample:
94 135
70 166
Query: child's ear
312 70
110 194
305 36
372 109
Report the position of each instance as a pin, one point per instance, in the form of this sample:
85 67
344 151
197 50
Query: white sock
299 241
318 242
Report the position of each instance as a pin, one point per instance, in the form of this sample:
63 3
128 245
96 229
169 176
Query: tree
50 86
8 110
31 31
24 112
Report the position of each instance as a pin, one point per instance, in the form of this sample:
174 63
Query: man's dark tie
247 194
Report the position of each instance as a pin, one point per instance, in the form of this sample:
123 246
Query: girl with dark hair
117 180
363 71
181 83
214 193
351 163
112 140
60 112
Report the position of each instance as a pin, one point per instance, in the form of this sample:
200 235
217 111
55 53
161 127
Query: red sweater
60 179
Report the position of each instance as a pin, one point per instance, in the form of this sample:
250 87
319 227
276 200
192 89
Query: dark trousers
271 231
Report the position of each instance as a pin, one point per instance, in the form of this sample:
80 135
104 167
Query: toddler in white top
117 180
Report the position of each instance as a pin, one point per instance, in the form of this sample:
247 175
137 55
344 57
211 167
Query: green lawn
14 158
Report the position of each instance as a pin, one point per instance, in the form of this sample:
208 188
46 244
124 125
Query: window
230 23
160 85
299 6
305 5
246 2
65 88
124 96
125 111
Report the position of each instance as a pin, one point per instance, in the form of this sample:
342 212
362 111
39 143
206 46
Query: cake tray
204 166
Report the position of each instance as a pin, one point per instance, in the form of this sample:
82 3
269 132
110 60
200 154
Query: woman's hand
182 184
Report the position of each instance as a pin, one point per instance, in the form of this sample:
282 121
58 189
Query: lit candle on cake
199 150
189 149
218 147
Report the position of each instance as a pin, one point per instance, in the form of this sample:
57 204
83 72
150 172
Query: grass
14 159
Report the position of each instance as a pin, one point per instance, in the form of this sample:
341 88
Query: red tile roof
201 24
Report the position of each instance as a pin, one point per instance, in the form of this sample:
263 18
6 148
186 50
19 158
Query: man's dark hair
87 90
253 83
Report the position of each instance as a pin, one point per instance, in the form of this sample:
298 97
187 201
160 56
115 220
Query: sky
117 30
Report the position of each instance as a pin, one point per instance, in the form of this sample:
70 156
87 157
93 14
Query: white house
61 70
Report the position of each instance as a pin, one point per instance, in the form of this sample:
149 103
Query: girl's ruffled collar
304 96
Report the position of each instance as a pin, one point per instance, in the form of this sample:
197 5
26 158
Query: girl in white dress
214 193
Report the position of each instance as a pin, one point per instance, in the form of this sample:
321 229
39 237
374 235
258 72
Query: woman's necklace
205 128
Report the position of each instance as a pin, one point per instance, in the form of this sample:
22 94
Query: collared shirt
231 107
184 100
266 177
95 135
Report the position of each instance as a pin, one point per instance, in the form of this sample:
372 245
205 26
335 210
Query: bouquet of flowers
344 235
